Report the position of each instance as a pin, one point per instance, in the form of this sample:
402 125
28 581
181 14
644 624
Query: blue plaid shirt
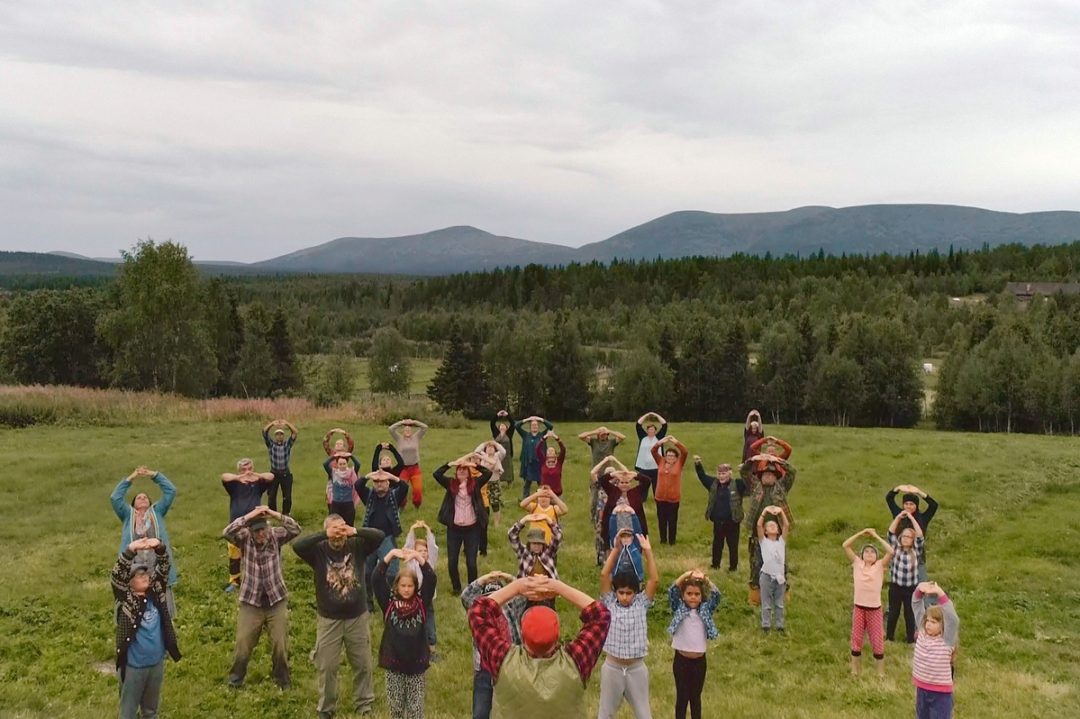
904 569
628 633
679 611
280 453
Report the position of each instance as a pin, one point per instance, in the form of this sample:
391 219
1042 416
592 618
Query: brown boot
755 596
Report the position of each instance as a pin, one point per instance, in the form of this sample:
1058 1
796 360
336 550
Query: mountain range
893 229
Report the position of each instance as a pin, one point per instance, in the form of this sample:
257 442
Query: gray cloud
256 129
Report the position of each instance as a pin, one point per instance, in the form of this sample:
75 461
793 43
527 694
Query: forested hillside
837 340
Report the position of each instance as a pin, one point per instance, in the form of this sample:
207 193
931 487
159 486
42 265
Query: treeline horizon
820 339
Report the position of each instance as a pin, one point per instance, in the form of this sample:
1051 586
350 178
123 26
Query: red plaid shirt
262 565
492 636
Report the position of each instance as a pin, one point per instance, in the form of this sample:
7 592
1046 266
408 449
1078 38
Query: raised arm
890 500
662 432
706 480
440 476
168 494
931 508
609 567
652 583
121 508
850 541
587 435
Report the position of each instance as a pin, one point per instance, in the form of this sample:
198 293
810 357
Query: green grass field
1004 545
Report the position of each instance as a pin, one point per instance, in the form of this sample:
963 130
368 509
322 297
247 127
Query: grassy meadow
1004 545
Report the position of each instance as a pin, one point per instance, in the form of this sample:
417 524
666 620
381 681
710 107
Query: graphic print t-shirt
339 583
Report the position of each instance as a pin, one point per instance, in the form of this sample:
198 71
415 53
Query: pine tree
254 372
226 331
453 379
567 386
286 375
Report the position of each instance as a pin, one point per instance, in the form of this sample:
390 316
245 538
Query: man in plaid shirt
536 555
263 596
540 678
280 450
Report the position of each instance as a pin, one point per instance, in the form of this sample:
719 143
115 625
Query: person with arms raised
143 519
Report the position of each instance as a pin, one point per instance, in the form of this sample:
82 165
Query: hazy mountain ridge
893 229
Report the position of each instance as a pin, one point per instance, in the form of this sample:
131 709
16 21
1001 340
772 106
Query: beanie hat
539 630
911 497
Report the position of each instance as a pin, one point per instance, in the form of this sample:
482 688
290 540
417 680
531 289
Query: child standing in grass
935 645
868 575
403 650
624 674
903 574
691 626
773 543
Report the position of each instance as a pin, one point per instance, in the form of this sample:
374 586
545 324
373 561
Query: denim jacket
680 611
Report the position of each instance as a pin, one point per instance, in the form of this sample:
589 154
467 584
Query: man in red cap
540 677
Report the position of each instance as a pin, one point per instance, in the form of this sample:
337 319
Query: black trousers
900 598
347 511
689 682
282 479
456 538
653 475
667 516
725 531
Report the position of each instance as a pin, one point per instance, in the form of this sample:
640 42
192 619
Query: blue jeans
369 567
429 625
141 690
933 705
482 690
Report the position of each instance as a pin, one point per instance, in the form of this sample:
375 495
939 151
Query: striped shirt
263 584
904 569
931 665
628 634
280 453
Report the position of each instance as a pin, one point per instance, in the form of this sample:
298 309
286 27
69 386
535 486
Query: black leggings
900 597
456 538
347 511
653 475
689 681
667 516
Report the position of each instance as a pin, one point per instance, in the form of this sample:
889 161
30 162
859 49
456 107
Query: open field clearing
1004 545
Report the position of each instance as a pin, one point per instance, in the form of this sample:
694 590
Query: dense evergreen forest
820 339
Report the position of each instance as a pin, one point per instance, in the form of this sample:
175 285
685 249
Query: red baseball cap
540 630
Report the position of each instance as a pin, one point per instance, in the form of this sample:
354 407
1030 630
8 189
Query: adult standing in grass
768 480
502 431
915 515
490 455
935 651
338 555
597 501
551 463
407 434
342 495
386 457
530 440
264 599
753 430
668 488
771 445
280 450
624 674
868 575
245 489
143 519
144 629
381 512
651 428
602 442
342 445
725 510
463 514
903 575
483 587
538 679
629 484
404 651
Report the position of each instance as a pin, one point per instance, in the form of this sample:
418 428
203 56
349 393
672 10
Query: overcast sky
252 131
